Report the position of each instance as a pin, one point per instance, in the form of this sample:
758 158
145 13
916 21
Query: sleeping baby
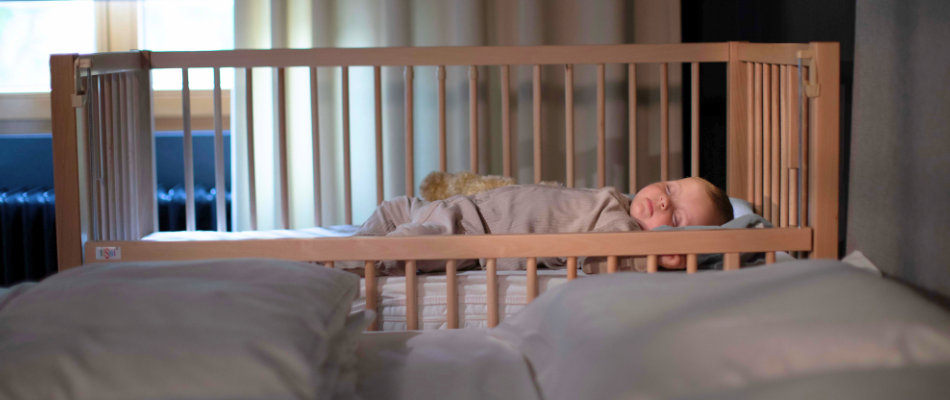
546 209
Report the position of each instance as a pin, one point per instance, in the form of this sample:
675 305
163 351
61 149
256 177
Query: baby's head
686 202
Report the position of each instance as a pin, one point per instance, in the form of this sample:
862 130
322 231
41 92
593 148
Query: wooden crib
782 155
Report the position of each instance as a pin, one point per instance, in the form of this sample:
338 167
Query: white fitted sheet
317 232
450 364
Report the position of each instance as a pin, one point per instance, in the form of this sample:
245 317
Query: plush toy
442 185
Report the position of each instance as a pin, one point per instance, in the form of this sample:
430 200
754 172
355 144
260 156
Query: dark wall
774 21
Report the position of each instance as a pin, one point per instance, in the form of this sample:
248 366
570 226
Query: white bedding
449 364
186 236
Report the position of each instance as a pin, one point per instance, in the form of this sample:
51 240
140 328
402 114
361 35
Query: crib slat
757 181
219 156
315 141
378 100
731 261
283 170
611 264
443 162
750 135
251 174
109 161
122 149
569 123
369 281
651 264
532 278
189 154
793 196
347 180
783 167
492 275
536 90
691 264
601 129
664 122
776 142
767 142
452 293
132 108
118 168
632 126
410 173
505 121
102 219
412 297
473 117
770 257
571 268
695 120
803 181
328 264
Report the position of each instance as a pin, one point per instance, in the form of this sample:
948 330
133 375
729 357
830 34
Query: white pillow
223 329
676 336
740 207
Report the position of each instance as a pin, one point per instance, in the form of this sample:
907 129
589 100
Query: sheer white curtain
367 23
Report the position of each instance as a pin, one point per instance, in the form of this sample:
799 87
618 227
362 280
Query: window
188 25
32 30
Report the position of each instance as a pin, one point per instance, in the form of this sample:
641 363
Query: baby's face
675 203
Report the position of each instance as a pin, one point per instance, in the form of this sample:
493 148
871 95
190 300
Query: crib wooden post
145 149
569 123
189 153
131 176
369 279
473 117
251 170
443 162
282 167
694 160
651 264
347 179
601 128
66 159
491 272
536 90
315 141
757 180
823 164
776 144
731 261
571 268
108 157
749 134
783 167
452 294
410 174
611 264
505 122
412 297
378 101
739 122
220 206
632 126
122 160
664 122
532 283
691 263
767 142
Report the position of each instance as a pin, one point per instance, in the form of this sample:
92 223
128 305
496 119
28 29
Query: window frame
117 29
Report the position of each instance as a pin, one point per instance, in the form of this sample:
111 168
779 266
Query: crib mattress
472 292
317 232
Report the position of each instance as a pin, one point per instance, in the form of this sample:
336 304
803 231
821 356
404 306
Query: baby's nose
663 202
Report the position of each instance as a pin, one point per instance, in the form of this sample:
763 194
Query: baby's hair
720 202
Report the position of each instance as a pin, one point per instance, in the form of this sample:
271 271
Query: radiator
27 235
28 227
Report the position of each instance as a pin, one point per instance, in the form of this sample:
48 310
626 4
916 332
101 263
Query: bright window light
32 30
188 25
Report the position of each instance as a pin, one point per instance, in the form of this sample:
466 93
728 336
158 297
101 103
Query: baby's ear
675 261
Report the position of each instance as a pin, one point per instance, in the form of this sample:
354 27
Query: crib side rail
454 247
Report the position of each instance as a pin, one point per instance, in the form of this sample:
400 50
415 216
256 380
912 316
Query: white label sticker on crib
108 253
